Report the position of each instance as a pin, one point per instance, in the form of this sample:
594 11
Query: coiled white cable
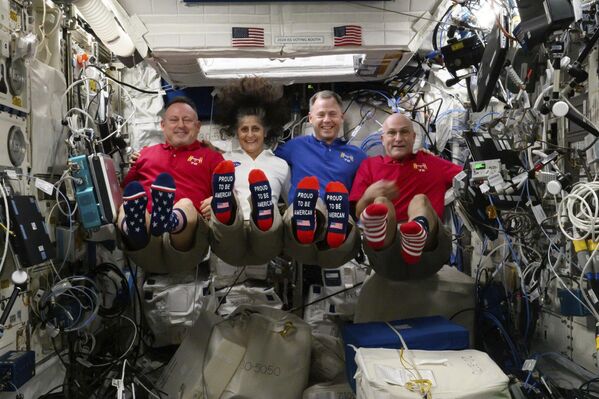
513 75
581 207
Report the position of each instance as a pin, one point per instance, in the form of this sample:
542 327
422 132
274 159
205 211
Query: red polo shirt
419 173
191 166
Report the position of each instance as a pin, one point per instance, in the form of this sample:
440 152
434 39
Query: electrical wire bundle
95 353
581 209
98 89
505 313
520 225
69 305
507 304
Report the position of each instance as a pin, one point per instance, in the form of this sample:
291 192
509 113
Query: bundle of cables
69 305
581 209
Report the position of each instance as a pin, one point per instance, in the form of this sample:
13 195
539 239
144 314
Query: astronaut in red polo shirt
400 200
163 193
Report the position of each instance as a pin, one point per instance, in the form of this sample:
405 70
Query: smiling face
250 133
326 117
398 136
180 125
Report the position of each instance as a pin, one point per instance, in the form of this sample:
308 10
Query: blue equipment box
16 368
569 305
89 212
427 333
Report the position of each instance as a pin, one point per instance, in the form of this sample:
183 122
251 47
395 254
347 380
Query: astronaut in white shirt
253 112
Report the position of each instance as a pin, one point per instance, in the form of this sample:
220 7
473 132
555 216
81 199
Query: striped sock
413 238
304 206
336 199
178 221
223 202
163 220
133 226
261 199
374 220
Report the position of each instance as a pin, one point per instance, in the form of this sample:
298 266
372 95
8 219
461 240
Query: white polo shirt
275 169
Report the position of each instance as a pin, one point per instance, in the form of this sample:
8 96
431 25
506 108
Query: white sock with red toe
413 238
374 220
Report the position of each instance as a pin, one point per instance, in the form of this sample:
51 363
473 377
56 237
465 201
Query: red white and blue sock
262 207
413 238
135 201
223 201
163 219
337 201
374 220
304 209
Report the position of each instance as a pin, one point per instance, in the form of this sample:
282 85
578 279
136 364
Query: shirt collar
265 152
388 160
193 146
337 142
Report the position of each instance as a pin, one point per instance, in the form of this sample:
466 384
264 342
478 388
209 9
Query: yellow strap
592 245
422 386
579 245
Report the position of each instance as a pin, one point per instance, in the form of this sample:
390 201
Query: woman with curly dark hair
244 218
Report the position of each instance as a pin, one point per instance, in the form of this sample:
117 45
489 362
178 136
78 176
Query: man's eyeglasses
393 133
186 121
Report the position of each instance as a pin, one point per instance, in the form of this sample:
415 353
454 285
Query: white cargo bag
242 295
328 358
329 391
258 352
171 304
466 374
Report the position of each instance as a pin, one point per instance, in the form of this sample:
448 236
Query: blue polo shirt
308 156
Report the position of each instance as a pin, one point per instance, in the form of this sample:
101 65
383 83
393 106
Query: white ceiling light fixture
317 66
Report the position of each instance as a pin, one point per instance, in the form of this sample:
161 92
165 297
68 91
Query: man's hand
133 157
381 188
205 208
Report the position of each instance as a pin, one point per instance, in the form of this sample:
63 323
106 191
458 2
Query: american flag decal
347 35
336 226
303 223
247 37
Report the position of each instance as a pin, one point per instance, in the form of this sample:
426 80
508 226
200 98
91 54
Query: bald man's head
398 136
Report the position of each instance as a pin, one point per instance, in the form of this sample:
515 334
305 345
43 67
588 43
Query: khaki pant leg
177 260
264 246
149 258
229 242
335 257
304 253
389 263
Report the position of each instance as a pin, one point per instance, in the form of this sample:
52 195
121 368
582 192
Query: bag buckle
288 328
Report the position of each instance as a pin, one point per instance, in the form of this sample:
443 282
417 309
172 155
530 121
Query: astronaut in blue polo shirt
319 228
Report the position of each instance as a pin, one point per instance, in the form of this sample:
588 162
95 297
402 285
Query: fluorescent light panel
321 65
